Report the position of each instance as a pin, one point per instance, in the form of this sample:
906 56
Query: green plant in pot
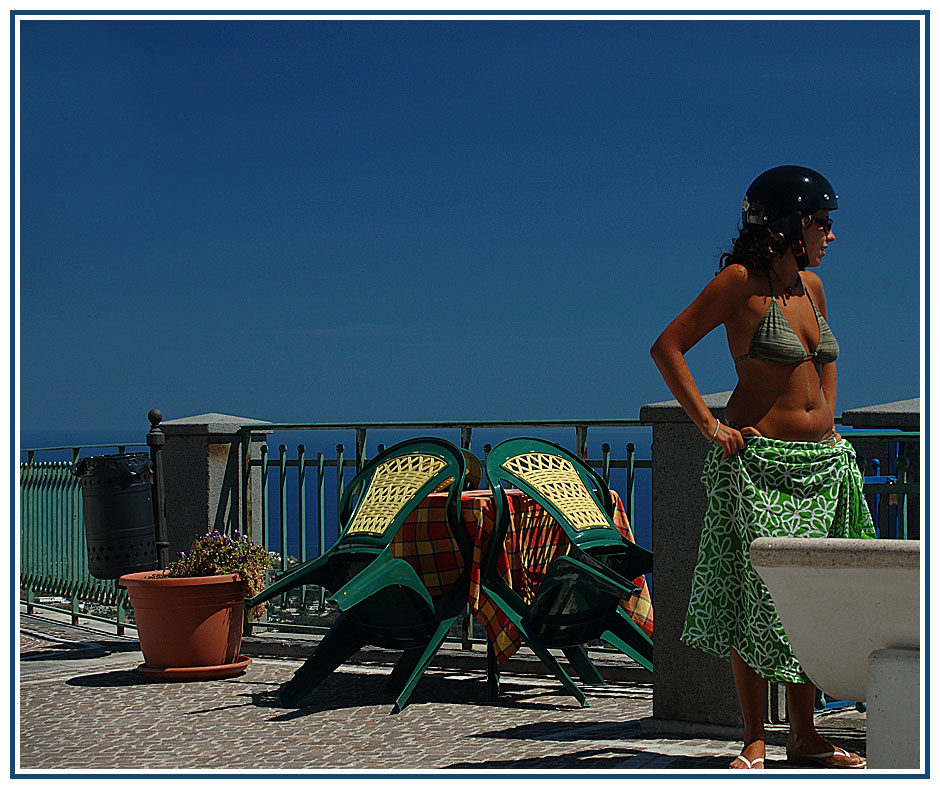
189 616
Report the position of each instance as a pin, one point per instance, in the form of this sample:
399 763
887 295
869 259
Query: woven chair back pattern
395 482
558 481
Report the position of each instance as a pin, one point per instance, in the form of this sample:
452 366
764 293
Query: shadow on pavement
60 649
65 652
601 759
590 759
343 690
567 732
110 679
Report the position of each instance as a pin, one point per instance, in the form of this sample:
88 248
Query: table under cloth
533 540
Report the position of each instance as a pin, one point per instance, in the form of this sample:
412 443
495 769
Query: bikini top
775 342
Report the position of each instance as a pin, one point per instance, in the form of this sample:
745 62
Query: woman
778 467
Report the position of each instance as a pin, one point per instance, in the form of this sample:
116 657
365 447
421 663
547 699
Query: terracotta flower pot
189 628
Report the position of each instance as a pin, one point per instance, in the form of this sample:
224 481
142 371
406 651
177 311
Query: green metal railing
319 462
53 559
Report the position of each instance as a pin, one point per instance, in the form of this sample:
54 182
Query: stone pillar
203 477
688 685
894 710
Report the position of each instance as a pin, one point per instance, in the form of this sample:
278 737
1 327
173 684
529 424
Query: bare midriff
785 402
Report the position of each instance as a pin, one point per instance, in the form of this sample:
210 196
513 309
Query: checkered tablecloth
533 539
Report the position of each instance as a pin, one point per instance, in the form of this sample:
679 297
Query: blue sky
305 221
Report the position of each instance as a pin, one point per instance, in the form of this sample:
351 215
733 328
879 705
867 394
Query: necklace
788 289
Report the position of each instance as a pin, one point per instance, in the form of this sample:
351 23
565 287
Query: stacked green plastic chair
578 599
383 601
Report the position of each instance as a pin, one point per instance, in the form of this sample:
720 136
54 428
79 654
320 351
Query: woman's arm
719 300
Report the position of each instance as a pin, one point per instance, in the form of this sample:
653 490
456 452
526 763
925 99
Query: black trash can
118 507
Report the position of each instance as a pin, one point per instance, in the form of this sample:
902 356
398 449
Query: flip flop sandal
826 760
750 764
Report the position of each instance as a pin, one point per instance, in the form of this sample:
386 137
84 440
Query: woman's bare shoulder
812 282
735 279
810 277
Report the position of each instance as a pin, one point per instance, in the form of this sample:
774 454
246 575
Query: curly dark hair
756 247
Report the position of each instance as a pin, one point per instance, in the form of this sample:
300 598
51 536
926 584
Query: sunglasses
824 222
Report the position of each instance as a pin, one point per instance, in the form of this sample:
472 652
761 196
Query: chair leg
403 668
492 672
542 653
625 635
338 645
581 663
422 663
548 659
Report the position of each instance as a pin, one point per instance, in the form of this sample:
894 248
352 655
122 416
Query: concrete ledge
860 554
841 600
899 415
671 411
208 424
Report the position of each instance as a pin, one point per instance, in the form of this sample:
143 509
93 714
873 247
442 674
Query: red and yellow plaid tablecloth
533 539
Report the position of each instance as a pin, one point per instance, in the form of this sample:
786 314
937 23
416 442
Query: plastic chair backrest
380 498
561 483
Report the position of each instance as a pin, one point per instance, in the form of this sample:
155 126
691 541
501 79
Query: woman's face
817 237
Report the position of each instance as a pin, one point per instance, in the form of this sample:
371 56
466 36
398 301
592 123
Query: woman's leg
804 740
752 696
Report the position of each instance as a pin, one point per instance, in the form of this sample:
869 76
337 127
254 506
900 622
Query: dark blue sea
315 441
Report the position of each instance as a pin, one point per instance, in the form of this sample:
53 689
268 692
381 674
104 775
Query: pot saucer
187 674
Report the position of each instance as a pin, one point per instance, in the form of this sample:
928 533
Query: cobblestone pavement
84 706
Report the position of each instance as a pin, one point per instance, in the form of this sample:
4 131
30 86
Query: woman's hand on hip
731 440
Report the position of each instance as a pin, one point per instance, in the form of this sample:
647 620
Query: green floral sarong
770 489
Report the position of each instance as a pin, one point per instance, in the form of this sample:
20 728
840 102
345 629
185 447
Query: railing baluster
282 498
631 482
302 512
580 433
246 503
264 497
485 482
50 546
904 465
339 475
360 448
301 502
321 525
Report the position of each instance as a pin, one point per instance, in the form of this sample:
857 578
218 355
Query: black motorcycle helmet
782 196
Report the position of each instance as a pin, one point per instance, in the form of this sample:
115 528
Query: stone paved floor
84 706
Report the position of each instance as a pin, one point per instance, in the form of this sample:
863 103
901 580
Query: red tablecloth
533 539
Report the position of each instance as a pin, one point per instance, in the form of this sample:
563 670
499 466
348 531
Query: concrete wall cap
899 414
208 424
833 553
671 411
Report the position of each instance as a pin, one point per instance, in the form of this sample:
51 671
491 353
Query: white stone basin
841 600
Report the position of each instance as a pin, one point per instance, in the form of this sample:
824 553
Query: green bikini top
775 342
